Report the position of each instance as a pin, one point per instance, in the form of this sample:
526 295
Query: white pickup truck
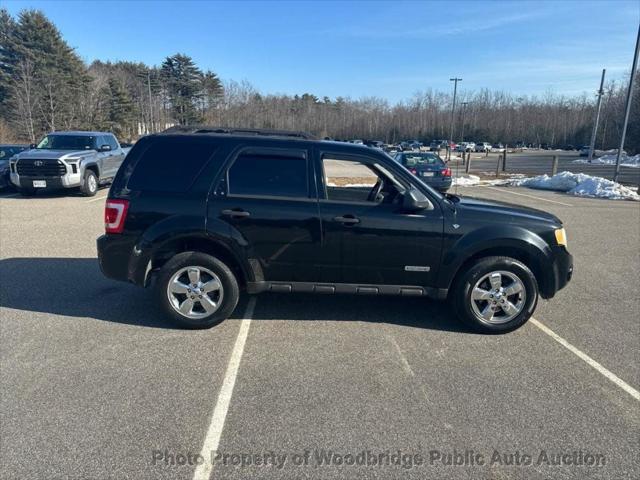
82 160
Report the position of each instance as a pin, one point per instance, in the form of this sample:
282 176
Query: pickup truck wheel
197 290
496 295
89 185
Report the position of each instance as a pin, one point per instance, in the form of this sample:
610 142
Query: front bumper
562 271
70 180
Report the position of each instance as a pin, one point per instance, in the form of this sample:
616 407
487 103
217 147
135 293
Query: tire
89 185
181 267
27 192
514 276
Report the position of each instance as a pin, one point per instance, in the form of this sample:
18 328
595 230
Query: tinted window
67 142
111 141
170 164
269 175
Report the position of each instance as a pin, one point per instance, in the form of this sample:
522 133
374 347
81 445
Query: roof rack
239 131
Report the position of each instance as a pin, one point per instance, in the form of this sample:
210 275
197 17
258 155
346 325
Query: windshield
420 159
67 142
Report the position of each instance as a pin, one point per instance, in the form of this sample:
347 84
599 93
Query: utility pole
592 145
453 110
628 107
464 108
150 104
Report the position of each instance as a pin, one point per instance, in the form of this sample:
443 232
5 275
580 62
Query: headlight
561 237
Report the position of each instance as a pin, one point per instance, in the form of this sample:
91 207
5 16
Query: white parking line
97 199
525 195
590 361
212 440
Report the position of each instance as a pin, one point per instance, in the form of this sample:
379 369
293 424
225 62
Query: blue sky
384 49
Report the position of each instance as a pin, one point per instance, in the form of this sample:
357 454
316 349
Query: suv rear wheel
496 295
197 290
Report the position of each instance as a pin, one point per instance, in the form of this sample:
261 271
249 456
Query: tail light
446 172
115 213
414 171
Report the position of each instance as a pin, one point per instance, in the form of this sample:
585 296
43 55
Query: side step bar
346 288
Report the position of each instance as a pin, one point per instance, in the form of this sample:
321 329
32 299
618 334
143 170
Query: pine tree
48 77
121 114
183 81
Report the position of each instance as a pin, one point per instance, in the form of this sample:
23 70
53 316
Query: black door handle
347 220
235 213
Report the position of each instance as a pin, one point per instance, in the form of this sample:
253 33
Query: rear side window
170 164
269 175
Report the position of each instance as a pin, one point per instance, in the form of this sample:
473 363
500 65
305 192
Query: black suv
206 212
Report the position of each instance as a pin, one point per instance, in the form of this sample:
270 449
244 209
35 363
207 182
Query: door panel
282 235
370 238
383 243
269 201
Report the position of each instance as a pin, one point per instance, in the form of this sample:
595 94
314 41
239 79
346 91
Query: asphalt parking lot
95 384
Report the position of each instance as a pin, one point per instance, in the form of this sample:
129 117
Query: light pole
628 107
464 109
595 125
453 110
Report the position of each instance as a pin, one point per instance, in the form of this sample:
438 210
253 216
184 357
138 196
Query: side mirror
105 148
415 200
32 145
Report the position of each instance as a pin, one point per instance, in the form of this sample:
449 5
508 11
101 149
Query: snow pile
625 161
466 180
578 184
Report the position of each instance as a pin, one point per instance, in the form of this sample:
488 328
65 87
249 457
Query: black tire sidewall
224 273
462 293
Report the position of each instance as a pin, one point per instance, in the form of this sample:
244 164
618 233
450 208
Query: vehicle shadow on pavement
413 312
75 287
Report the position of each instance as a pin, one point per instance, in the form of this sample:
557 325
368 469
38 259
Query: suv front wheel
197 290
496 295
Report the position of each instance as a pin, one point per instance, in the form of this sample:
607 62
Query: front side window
269 175
111 141
358 182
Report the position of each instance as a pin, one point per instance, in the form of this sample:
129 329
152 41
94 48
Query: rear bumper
121 259
439 183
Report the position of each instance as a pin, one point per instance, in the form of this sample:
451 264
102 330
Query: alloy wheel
498 297
195 292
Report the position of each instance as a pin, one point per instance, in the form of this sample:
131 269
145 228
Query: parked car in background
469 147
584 150
483 147
431 169
374 144
357 142
6 152
63 160
460 147
438 145
497 147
